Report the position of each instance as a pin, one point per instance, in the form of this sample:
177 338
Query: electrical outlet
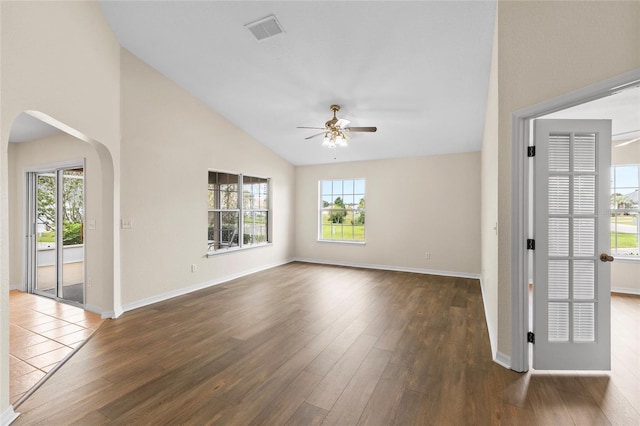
194 267
89 281
126 223
427 255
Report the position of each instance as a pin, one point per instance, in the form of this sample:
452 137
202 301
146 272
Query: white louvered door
571 307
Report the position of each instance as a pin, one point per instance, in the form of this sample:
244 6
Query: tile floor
41 333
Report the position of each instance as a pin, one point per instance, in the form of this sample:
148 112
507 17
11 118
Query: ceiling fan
336 131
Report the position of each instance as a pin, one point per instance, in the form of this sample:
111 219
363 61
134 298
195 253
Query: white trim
179 292
358 243
519 202
236 248
625 290
16 286
503 360
8 416
389 268
46 167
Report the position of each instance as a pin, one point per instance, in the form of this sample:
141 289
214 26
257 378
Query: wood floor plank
383 403
307 415
354 398
282 408
304 344
337 379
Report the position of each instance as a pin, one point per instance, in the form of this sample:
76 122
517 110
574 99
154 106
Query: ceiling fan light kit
336 132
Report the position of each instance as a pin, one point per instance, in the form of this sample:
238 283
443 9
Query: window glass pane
625 211
558 279
348 199
337 187
584 322
584 194
584 152
228 199
348 187
558 194
558 322
584 236
584 279
559 145
342 210
558 236
626 176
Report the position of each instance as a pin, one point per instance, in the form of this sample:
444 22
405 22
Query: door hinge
531 151
531 244
531 337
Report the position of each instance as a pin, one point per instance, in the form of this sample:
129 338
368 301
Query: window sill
632 259
358 243
236 249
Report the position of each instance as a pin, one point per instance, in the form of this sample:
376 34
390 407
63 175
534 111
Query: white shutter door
571 227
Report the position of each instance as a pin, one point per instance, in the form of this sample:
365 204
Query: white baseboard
8 416
502 359
625 290
389 268
179 292
17 286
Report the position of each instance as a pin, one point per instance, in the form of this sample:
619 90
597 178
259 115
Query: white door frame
29 258
520 181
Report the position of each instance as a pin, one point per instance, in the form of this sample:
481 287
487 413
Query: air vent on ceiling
265 27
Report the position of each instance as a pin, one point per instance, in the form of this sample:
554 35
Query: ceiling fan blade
313 136
361 129
316 128
342 123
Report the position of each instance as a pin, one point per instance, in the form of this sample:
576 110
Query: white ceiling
26 128
417 70
622 108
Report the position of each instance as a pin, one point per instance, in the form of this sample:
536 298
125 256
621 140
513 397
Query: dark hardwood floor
305 344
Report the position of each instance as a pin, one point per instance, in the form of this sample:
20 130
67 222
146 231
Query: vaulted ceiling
417 70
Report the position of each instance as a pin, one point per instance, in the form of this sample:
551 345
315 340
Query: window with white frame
342 210
625 210
238 211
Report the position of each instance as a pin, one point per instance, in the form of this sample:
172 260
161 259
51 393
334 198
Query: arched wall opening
64 145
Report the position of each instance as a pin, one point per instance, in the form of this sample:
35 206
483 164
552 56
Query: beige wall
489 201
547 49
46 152
169 141
414 205
59 58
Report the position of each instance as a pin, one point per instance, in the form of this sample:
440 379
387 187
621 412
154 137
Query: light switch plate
91 224
126 223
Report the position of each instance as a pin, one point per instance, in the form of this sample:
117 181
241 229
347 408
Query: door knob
606 257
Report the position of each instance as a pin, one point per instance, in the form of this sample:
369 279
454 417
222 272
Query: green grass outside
47 237
624 240
331 231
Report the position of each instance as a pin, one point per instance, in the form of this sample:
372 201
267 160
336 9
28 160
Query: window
624 210
238 211
342 210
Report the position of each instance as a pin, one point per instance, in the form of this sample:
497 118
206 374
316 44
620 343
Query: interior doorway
55 233
622 95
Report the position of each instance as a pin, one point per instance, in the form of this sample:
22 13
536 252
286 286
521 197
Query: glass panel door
57 215
72 235
46 217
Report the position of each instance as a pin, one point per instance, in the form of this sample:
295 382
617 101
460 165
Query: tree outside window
342 211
